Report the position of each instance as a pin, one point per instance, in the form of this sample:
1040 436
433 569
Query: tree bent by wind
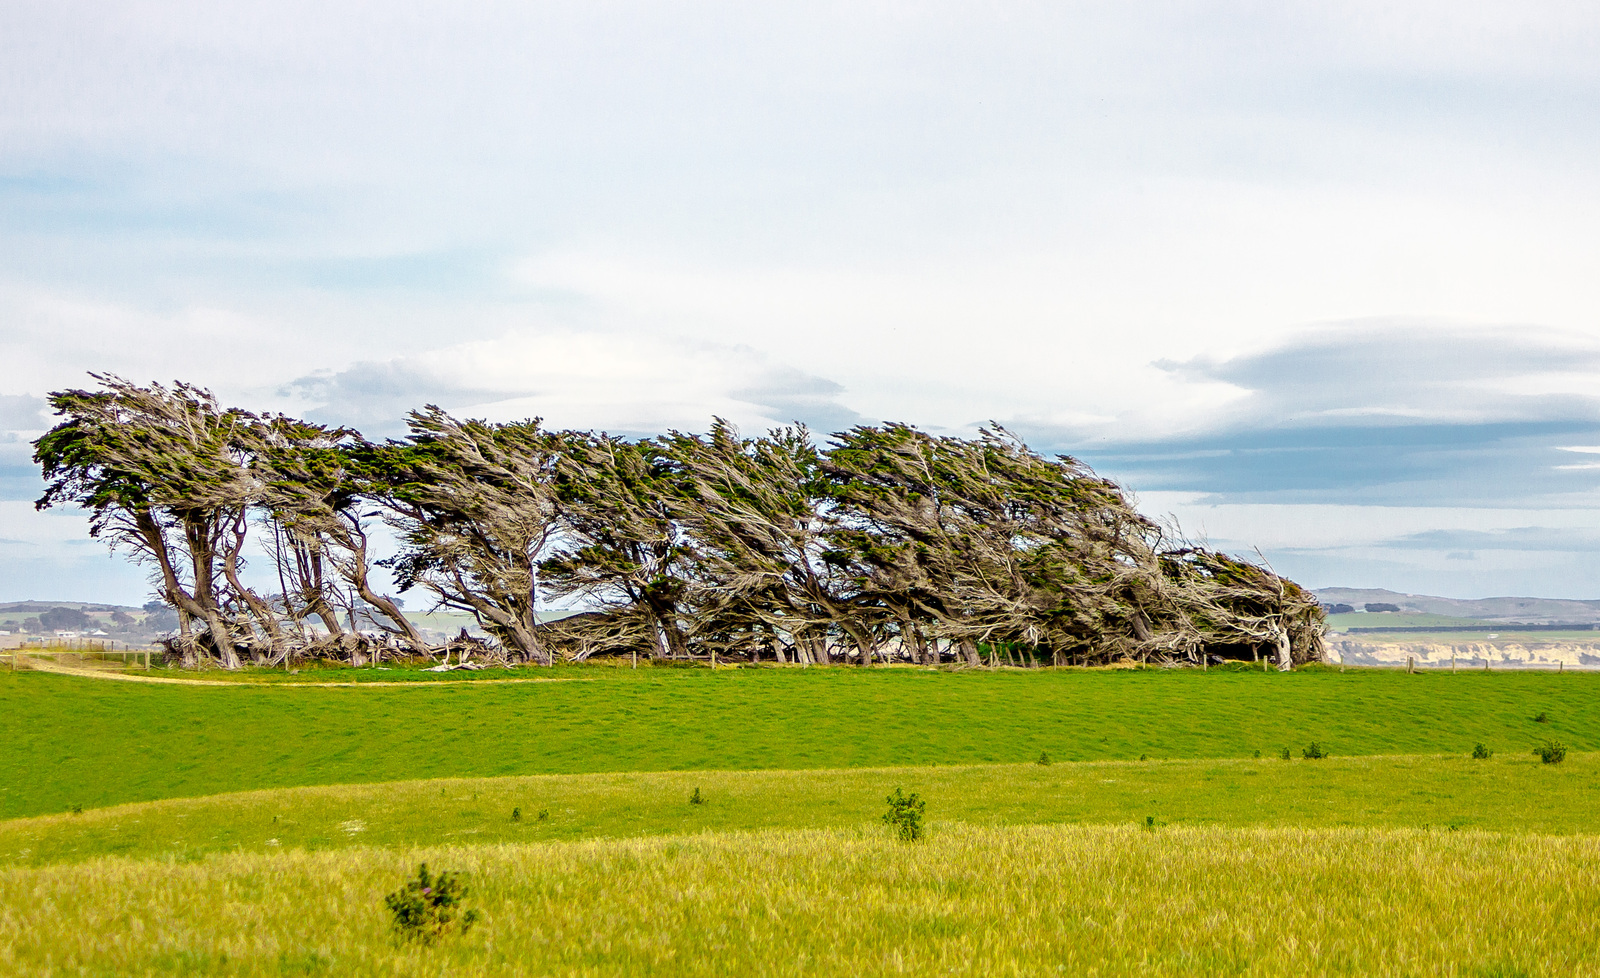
882 544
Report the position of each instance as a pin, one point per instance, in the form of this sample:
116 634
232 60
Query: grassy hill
1507 793
567 805
105 743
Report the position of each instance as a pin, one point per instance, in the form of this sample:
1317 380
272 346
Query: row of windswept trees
885 543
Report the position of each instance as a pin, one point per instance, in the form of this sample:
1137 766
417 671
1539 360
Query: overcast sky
1318 279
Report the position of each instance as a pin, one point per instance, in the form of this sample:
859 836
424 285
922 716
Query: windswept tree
887 542
624 548
164 474
763 566
475 505
315 484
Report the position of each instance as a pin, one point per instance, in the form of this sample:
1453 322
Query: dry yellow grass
1038 900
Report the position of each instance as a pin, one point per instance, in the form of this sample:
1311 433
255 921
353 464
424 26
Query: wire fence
84 653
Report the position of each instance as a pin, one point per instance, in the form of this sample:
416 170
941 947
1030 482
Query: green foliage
1481 753
516 814
904 816
1541 718
1044 759
1551 752
1313 752
429 907
695 798
1284 754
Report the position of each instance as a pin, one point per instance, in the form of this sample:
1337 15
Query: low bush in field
905 815
1481 753
429 907
1313 752
1551 752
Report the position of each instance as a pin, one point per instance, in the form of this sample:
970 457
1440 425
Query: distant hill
1532 611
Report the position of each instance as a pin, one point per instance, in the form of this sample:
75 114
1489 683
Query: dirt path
45 665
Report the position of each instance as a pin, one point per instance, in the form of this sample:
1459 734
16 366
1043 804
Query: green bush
1043 758
1482 753
1284 754
905 815
1551 752
1313 752
426 908
695 797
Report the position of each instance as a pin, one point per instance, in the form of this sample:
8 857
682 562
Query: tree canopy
878 544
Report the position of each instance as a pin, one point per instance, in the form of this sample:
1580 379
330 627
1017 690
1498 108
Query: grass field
105 743
1404 619
1036 900
1397 855
1508 793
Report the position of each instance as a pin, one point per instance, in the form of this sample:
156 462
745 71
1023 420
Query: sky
1316 281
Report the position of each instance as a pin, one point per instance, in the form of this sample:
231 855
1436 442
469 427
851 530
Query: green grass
1502 637
1512 793
1037 900
74 741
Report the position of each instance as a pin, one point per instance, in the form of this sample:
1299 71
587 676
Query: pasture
106 743
253 827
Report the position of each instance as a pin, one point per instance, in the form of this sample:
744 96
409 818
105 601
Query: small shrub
1551 752
516 814
1258 753
905 815
1541 718
544 815
427 908
1043 758
1313 752
1481 753
1149 823
77 809
1284 754
695 799
1144 757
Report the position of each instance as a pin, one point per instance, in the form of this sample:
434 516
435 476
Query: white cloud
618 381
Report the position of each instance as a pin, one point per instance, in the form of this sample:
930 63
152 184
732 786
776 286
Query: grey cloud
23 412
1535 538
1399 371
789 395
374 396
1383 413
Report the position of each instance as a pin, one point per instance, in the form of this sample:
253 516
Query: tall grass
970 901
